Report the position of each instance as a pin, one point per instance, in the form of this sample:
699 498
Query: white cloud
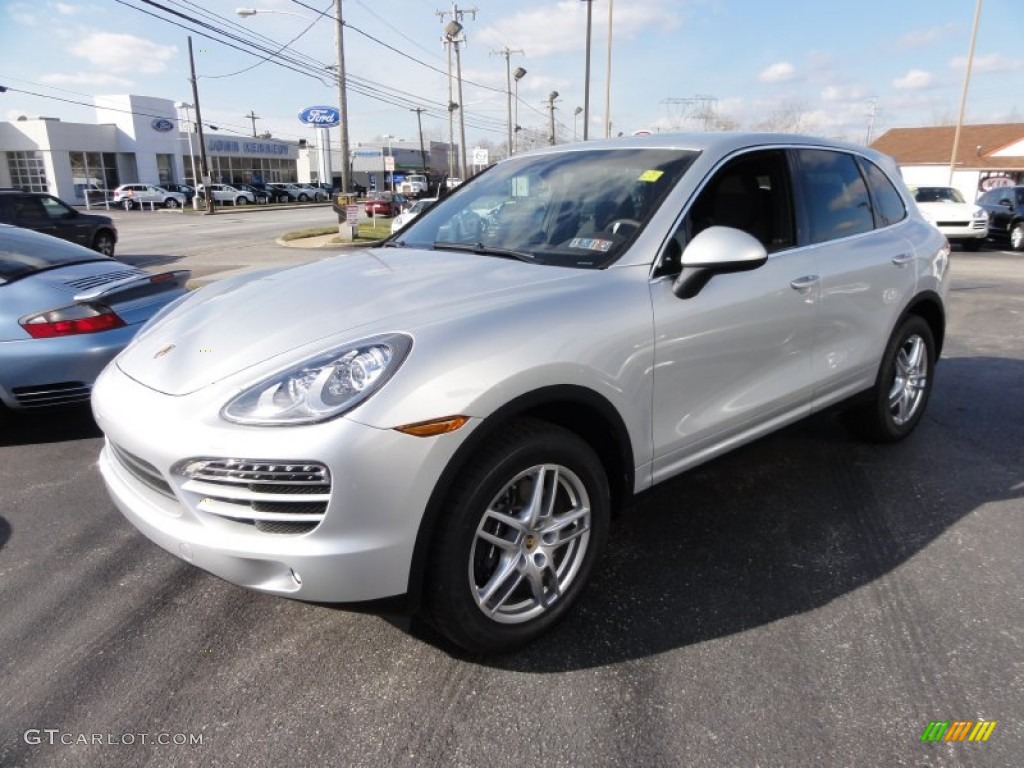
124 52
920 38
64 9
914 80
20 13
843 93
86 78
561 27
994 62
779 72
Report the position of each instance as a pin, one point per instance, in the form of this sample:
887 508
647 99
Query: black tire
104 242
303 198
1017 237
128 205
171 202
552 555
971 245
240 200
904 384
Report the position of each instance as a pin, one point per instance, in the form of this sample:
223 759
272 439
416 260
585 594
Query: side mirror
715 251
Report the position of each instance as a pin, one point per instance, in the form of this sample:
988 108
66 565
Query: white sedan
406 216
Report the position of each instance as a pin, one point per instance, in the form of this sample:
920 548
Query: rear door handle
902 260
804 283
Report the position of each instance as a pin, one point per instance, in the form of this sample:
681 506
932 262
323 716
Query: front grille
981 224
285 497
51 395
92 281
142 470
953 223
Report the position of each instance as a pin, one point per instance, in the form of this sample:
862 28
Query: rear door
868 266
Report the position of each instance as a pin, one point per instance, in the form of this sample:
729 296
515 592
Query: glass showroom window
27 171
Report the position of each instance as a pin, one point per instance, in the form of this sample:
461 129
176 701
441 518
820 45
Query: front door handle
805 283
903 259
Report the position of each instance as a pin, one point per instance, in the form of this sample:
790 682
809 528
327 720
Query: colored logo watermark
958 730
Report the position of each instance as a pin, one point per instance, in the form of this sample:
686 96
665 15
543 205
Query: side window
28 209
55 209
752 193
889 207
834 195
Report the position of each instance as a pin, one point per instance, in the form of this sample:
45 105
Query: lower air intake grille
52 395
285 497
141 470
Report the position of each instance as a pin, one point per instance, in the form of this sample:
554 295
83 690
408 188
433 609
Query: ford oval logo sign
321 117
162 124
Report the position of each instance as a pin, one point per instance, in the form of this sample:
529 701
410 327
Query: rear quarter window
888 204
835 197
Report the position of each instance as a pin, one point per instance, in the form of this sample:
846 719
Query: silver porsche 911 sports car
65 311
451 418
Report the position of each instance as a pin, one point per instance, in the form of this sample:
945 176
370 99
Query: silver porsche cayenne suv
450 418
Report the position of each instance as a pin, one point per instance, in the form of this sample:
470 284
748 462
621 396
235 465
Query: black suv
47 214
1005 207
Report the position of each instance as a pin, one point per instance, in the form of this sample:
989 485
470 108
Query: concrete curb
324 241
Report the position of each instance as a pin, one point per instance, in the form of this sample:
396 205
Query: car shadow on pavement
73 423
786 525
5 531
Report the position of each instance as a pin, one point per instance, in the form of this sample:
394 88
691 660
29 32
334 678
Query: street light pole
608 79
586 79
191 152
518 75
342 91
551 111
963 97
575 115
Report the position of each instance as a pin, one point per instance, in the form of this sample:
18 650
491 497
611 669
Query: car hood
298 312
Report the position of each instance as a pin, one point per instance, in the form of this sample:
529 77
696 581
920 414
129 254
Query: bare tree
787 117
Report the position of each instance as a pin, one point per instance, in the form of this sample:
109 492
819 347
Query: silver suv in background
225 193
142 195
449 420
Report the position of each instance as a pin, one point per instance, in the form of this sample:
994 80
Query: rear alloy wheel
303 198
241 200
1017 236
104 243
904 384
518 540
170 202
129 204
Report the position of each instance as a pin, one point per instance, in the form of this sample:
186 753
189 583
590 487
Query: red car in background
385 204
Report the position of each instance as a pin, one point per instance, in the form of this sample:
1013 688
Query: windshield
938 195
578 208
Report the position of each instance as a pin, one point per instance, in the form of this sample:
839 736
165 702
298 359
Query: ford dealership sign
321 117
162 124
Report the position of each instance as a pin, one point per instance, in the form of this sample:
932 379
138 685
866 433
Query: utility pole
342 99
254 117
453 37
204 168
506 52
586 79
419 125
551 112
963 97
608 79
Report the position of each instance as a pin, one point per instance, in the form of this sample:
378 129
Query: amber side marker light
433 427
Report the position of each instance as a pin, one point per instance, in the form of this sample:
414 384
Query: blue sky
818 67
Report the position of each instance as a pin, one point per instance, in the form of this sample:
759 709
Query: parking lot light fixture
551 112
518 74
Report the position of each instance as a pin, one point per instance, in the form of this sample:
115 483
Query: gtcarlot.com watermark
54 736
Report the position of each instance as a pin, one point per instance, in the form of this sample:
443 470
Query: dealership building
142 139
134 139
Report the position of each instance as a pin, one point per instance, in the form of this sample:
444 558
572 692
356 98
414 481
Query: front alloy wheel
171 202
104 243
241 200
517 542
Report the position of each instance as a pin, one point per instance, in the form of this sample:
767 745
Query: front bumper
360 551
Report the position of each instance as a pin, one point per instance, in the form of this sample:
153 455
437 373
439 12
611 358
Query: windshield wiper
485 250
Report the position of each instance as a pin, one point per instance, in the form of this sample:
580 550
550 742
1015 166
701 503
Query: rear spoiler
175 278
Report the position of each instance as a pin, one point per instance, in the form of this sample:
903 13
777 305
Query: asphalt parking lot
805 601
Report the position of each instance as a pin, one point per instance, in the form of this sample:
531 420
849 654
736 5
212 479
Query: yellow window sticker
651 175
